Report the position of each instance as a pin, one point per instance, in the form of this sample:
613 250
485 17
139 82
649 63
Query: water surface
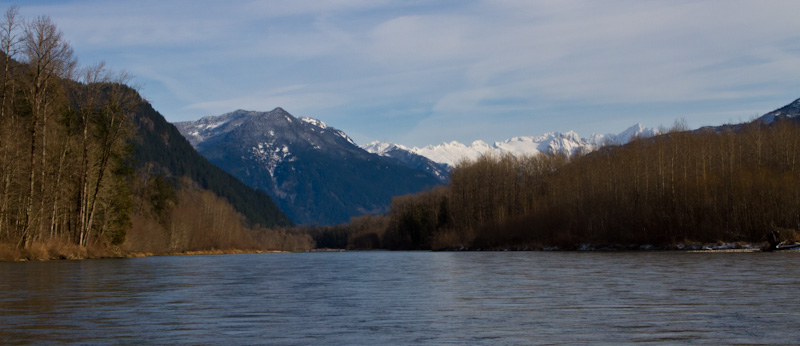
380 297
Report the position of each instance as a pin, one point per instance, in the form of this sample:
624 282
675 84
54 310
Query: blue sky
424 72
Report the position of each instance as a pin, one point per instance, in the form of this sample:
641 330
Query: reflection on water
406 298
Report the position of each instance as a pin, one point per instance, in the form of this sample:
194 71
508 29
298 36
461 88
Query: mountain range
569 143
315 173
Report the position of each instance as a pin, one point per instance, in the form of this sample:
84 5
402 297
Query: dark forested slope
160 144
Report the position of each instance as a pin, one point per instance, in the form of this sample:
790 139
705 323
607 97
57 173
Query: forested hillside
161 148
731 184
88 168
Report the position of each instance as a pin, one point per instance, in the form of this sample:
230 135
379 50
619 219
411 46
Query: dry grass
146 236
198 252
56 249
9 253
62 250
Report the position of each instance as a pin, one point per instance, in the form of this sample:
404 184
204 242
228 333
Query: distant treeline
733 183
87 168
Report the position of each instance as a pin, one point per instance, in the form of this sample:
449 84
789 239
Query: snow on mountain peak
635 131
376 143
382 148
315 122
450 153
479 143
346 137
630 133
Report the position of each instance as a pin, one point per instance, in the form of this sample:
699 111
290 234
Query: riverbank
696 247
55 251
51 251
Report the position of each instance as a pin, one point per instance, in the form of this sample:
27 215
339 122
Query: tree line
729 184
61 140
75 176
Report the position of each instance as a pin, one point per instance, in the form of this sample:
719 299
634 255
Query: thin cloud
278 9
498 68
294 98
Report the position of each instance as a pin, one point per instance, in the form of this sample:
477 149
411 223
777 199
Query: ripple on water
406 298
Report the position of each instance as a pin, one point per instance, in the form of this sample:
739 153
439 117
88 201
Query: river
381 297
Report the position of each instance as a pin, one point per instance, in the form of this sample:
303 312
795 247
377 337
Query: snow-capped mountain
314 172
790 111
635 131
404 156
453 152
568 143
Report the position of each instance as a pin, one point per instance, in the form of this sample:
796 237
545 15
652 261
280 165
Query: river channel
404 298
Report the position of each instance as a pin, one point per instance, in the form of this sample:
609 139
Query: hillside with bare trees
725 184
88 169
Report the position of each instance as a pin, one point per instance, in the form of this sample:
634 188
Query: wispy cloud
496 68
296 97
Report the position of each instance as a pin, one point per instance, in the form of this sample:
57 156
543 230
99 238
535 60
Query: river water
377 298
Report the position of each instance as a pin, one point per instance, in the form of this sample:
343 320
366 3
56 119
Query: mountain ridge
788 112
315 172
570 143
159 142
